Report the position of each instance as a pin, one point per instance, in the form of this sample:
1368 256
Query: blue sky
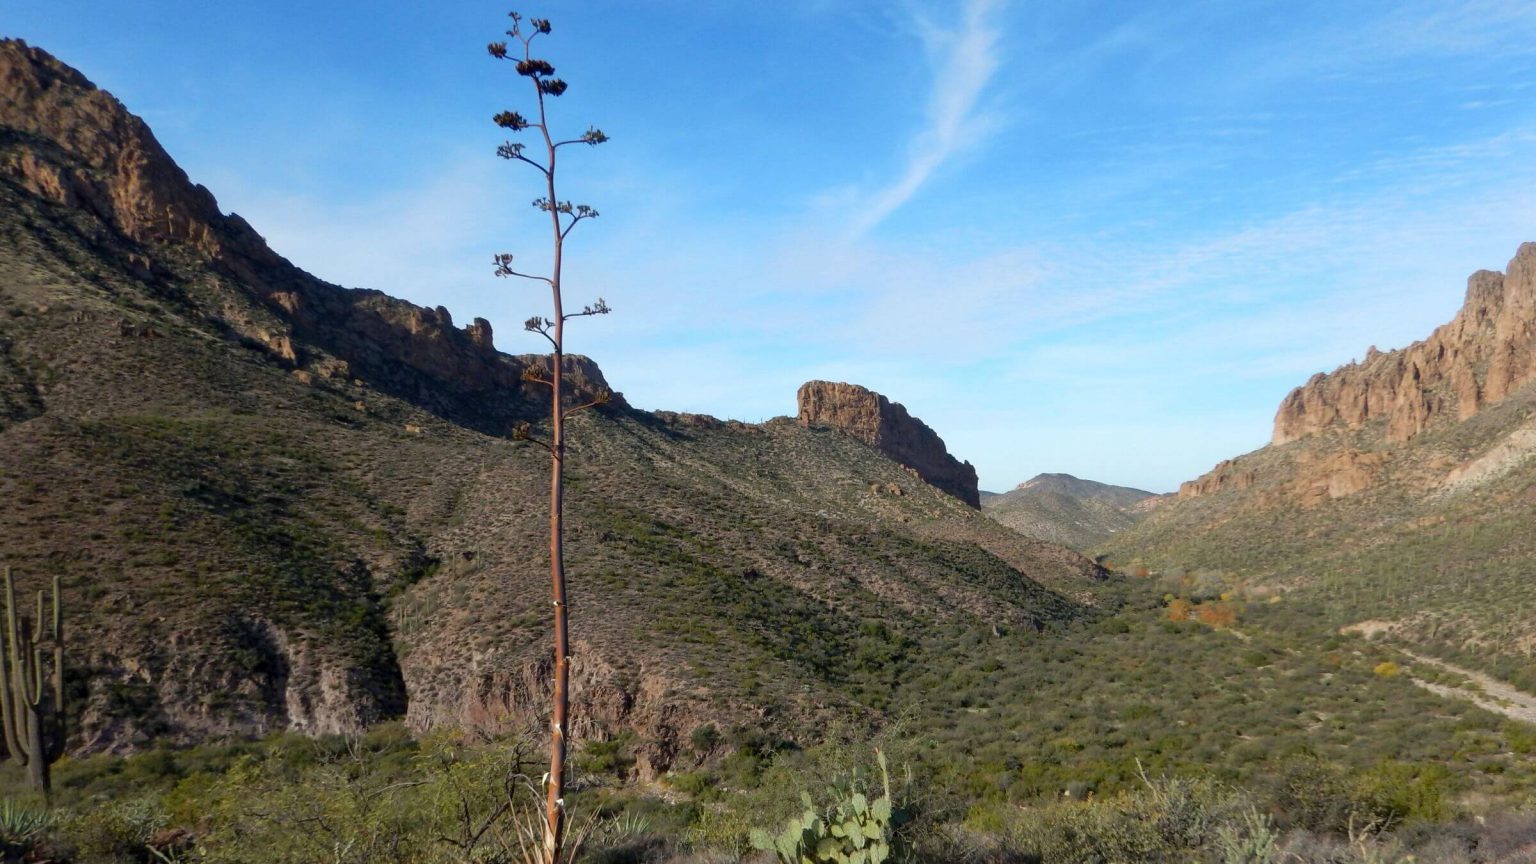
1104 238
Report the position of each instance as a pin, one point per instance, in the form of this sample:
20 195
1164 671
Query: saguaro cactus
32 715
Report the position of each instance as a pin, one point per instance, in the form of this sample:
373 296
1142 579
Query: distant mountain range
1060 508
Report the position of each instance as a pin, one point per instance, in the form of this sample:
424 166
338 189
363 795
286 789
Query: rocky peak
1050 481
1482 355
1077 487
886 426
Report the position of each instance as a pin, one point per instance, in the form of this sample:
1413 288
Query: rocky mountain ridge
1476 359
1071 485
278 504
886 426
71 143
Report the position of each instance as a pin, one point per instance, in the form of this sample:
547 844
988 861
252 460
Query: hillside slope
1060 508
1399 492
280 504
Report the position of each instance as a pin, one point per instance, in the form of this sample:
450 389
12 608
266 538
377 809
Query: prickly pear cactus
854 830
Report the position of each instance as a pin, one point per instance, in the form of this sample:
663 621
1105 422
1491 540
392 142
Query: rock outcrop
64 140
886 426
1483 354
1314 477
1228 475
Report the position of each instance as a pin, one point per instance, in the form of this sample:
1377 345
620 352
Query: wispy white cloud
1154 304
1440 27
964 60
425 240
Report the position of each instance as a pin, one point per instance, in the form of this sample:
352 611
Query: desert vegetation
1121 736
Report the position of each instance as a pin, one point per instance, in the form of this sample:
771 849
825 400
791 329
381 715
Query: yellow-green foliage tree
1218 615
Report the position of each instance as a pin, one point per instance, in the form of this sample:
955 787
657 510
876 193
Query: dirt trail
1496 696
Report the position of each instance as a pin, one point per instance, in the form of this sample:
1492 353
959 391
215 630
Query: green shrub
119 831
1397 792
1313 796
705 739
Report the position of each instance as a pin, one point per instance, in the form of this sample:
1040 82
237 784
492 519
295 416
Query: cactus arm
29 725
22 717
9 675
21 665
36 694
56 741
7 705
16 637
56 744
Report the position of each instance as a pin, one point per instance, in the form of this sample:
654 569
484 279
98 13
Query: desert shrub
1084 833
1519 738
613 757
695 784
119 831
1167 819
1312 795
705 739
1250 839
1397 792
1218 615
370 800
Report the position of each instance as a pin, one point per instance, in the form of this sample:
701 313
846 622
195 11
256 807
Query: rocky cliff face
1486 352
74 144
1354 420
887 427
66 141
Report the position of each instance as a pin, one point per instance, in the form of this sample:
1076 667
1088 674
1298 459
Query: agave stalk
563 216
